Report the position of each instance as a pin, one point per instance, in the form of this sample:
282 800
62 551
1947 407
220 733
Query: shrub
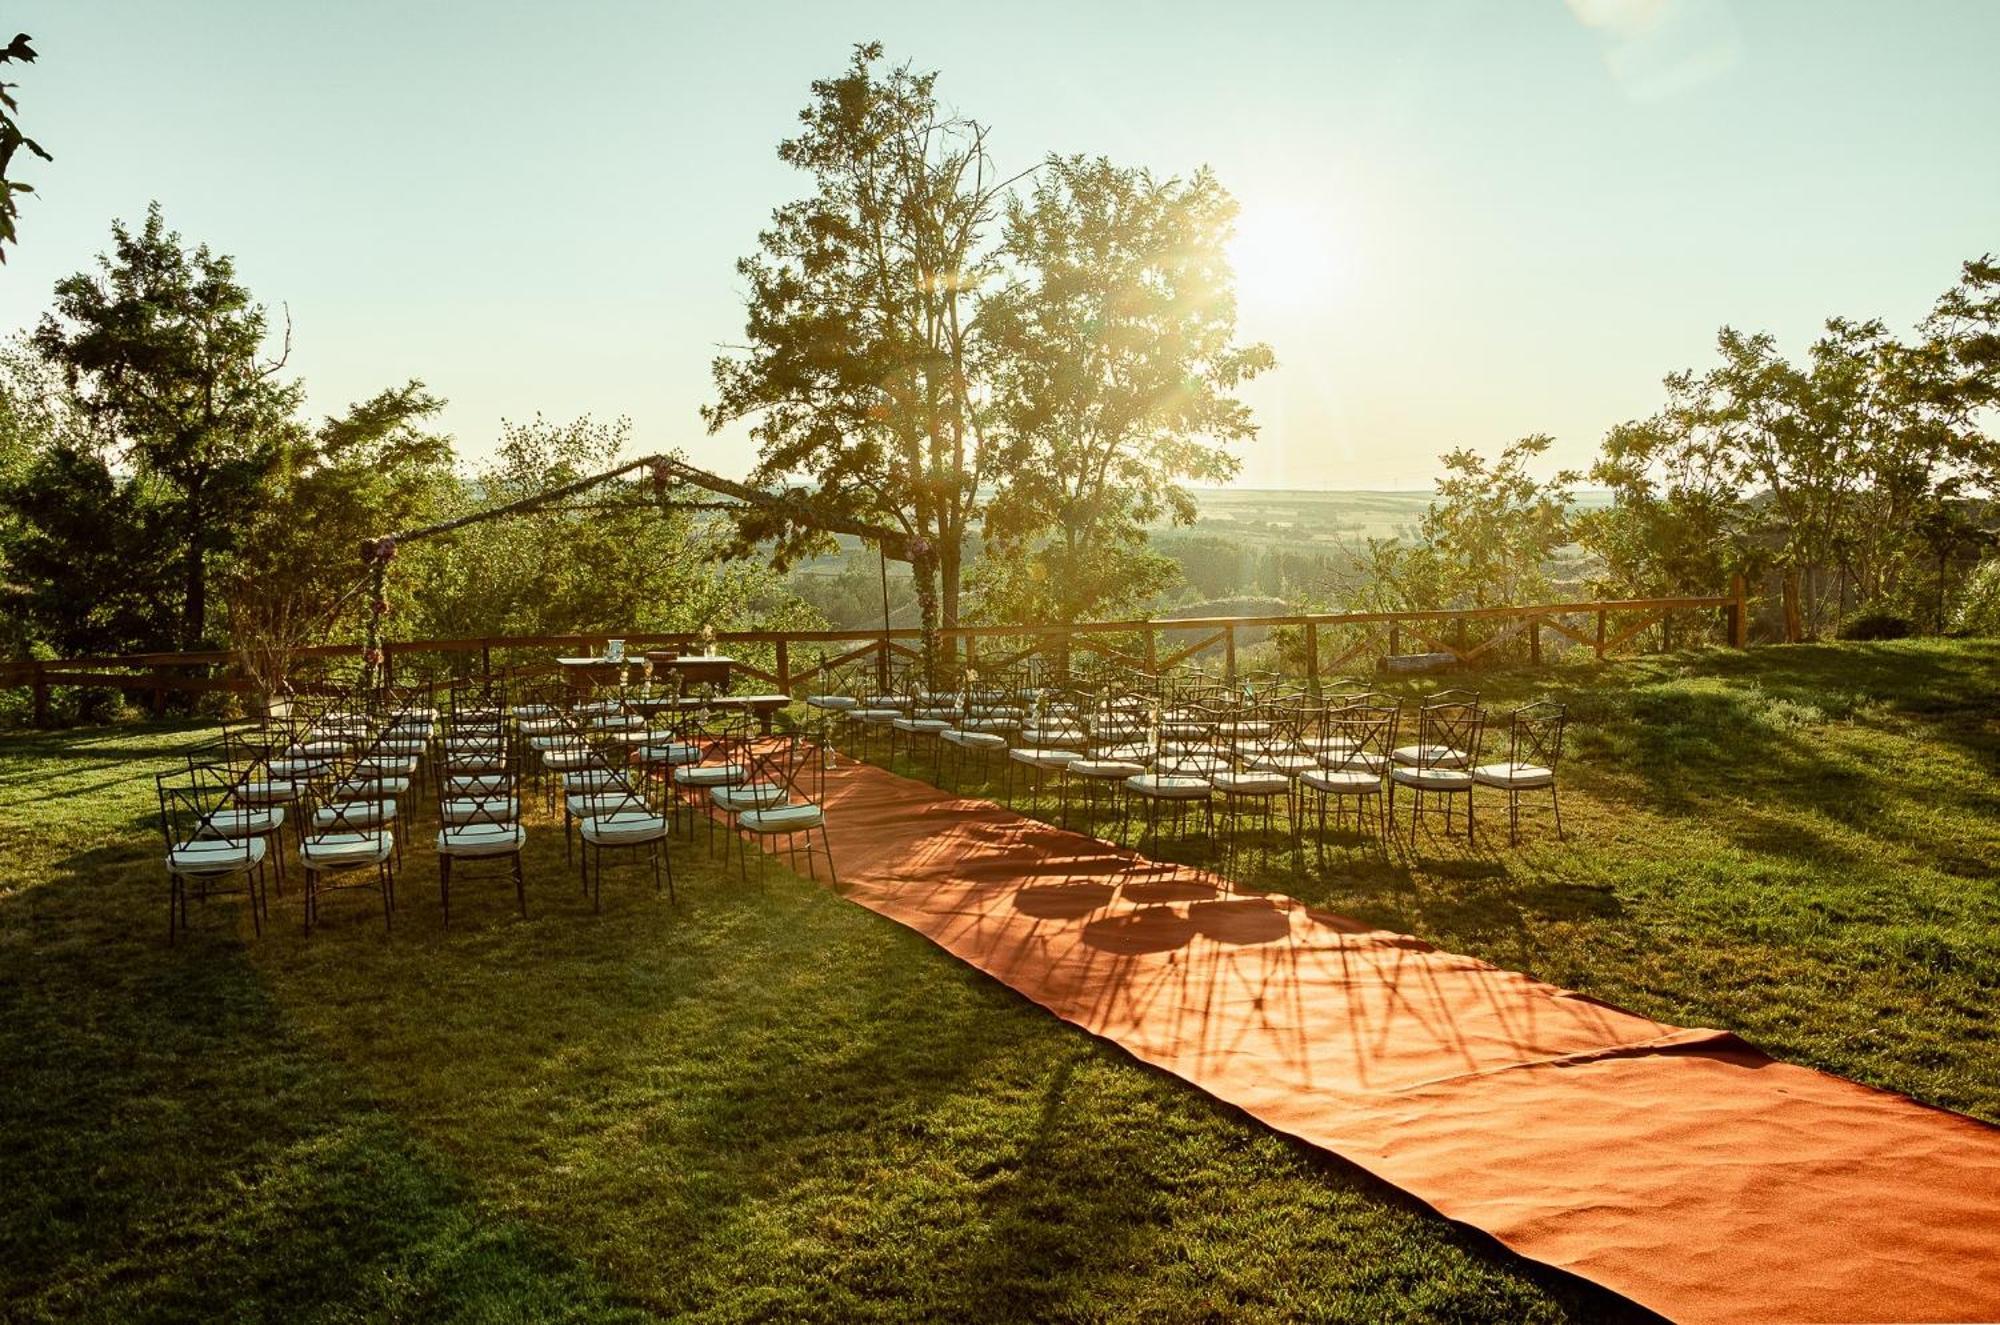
1877 625
1979 601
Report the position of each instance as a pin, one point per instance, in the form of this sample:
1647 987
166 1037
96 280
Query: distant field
1294 514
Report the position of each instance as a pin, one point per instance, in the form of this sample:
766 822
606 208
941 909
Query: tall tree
12 140
166 351
862 359
294 580
1115 365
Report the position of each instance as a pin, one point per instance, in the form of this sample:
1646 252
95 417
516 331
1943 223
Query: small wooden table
586 674
694 669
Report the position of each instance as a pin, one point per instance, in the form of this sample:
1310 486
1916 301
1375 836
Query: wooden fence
1153 645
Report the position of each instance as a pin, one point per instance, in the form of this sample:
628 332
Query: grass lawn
769 1104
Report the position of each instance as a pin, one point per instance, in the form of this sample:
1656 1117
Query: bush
1979 601
1877 625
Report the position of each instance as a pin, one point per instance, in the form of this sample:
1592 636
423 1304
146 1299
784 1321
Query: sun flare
1288 256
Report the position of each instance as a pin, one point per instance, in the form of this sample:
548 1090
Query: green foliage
1979 603
163 347
91 563
616 561
1485 540
1114 366
1860 471
12 140
298 578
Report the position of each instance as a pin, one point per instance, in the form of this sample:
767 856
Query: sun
1288 256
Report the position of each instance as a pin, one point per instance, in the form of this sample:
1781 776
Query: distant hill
1299 515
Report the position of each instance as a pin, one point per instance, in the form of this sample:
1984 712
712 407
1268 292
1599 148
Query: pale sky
1463 221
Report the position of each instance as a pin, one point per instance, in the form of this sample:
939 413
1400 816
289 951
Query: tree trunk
194 570
951 554
924 569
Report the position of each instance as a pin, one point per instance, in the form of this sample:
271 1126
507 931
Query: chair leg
1556 801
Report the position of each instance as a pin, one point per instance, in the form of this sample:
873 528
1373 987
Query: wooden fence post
784 668
1395 638
1739 612
486 662
1312 656
1794 626
1152 651
1229 653
1458 640
1535 640
1600 634
159 692
41 694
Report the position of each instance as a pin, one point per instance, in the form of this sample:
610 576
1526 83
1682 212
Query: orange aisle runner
1681 1168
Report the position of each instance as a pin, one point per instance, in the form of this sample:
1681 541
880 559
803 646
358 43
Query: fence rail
1608 625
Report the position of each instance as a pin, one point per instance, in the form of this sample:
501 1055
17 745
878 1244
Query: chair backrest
189 799
1535 734
790 762
1445 728
349 805
1366 734
1455 695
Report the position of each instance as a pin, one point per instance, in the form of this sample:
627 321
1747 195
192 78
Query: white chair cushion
627 828
1036 757
1164 786
1106 770
712 775
750 796
474 784
1343 781
921 726
483 808
835 702
1251 784
975 740
299 767
215 855
598 804
1057 737
243 823
1282 763
783 819
1354 760
877 717
676 753
587 779
363 786
1436 756
361 814
339 850
481 840
1431 779
1513 777
267 791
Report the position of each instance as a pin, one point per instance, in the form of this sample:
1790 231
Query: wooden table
586 674
694 669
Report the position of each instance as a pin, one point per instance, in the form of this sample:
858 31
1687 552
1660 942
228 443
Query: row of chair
1183 742
342 776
